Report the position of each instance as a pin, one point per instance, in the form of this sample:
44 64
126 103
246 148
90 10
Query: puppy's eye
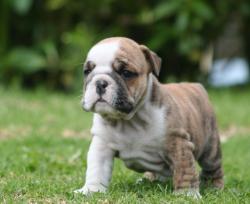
89 66
86 71
126 74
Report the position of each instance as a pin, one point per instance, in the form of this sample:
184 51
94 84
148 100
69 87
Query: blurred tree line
45 41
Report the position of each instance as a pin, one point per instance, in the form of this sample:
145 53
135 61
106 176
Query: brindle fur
192 134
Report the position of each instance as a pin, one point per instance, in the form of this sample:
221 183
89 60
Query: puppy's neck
145 100
152 97
152 94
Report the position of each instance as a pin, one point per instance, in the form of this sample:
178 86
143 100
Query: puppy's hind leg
180 152
211 163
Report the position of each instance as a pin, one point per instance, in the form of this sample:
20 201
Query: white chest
139 142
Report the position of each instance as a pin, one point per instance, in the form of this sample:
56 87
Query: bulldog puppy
155 128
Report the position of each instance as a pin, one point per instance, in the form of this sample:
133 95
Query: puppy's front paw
89 189
194 193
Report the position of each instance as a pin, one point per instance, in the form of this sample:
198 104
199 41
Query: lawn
44 138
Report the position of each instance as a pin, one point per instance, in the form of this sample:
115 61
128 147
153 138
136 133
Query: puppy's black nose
101 86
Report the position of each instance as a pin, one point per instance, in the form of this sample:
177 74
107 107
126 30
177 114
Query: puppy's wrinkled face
116 73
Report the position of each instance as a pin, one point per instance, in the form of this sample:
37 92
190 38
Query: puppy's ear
153 59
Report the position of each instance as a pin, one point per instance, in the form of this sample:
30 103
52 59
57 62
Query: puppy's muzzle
101 86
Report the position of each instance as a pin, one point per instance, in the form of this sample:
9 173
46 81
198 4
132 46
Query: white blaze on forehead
103 55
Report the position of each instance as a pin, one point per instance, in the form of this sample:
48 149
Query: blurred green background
44 42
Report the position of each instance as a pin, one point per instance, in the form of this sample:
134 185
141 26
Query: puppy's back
191 109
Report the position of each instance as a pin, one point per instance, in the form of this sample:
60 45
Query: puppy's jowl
152 127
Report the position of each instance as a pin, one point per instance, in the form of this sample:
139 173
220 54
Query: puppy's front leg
99 167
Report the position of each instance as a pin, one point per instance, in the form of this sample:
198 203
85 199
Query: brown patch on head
139 57
130 53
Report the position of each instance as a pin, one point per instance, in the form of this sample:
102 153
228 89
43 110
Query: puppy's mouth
101 100
119 107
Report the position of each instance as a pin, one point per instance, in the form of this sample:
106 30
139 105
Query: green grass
44 138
